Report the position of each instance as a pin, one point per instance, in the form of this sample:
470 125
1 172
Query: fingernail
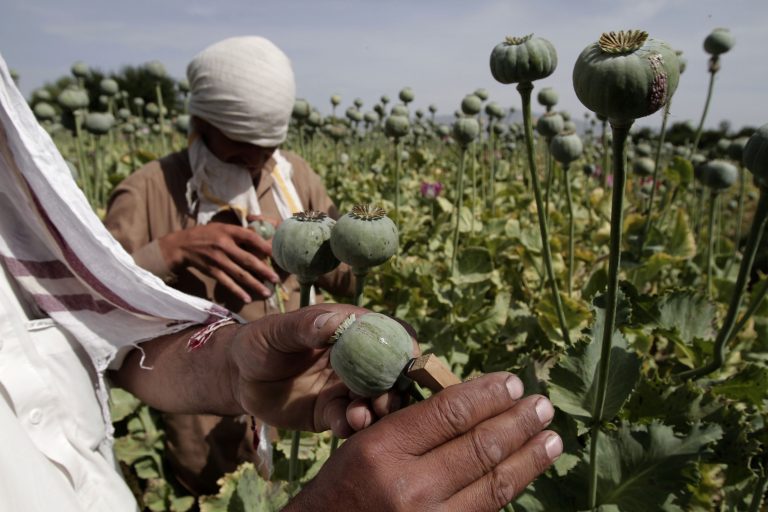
321 320
515 387
544 411
554 447
247 299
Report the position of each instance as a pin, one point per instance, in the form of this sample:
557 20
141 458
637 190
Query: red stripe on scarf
77 266
78 302
53 269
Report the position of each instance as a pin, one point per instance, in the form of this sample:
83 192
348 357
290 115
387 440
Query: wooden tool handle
430 372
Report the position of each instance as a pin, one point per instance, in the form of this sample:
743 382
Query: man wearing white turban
185 218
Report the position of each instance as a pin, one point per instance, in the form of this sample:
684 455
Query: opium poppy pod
566 147
302 246
370 353
397 126
550 124
471 104
523 59
99 123
466 130
719 41
717 174
547 97
364 237
626 75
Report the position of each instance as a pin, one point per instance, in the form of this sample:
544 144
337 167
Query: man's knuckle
485 448
455 414
504 486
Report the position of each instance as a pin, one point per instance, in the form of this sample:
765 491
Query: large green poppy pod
432 108
44 111
547 97
364 238
182 124
406 95
643 149
397 126
139 102
550 124
336 131
315 119
151 109
80 69
370 353
400 110
354 115
419 114
263 228
73 98
41 95
358 103
471 105
569 126
156 69
481 93
643 166
109 87
183 86
626 75
523 59
719 41
301 109
384 99
466 130
99 123
302 246
756 155
371 117
499 129
717 174
443 130
494 110
335 100
566 147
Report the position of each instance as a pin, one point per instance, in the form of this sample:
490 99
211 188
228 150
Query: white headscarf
244 86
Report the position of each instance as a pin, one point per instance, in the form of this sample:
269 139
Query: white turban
243 86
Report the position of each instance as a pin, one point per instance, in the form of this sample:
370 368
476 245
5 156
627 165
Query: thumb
308 328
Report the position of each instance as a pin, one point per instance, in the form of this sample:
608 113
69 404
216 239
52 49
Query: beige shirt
151 203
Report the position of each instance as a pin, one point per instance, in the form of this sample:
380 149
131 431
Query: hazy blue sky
367 48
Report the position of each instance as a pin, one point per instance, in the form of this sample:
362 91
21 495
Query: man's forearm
183 381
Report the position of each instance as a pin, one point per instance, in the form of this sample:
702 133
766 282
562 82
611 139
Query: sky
366 48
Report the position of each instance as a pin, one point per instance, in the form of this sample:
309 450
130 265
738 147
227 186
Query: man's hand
472 447
284 376
233 255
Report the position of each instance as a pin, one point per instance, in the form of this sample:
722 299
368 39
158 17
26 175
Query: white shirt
54 455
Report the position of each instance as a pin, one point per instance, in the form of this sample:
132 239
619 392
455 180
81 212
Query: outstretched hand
284 375
232 255
472 447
